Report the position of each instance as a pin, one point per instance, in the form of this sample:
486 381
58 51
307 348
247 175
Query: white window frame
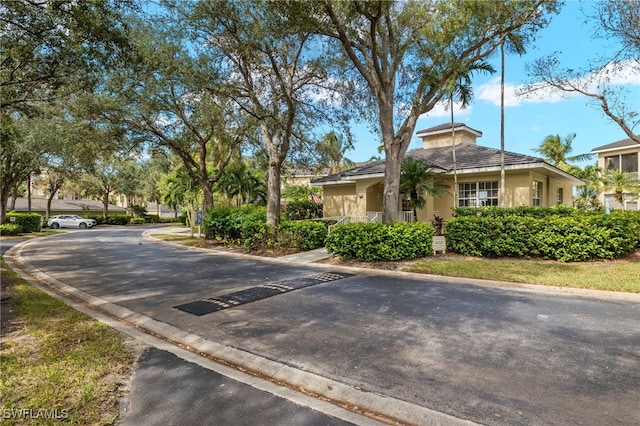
560 195
536 192
478 194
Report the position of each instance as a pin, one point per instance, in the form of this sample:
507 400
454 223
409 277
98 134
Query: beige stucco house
622 155
530 181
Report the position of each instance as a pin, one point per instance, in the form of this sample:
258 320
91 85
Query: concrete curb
527 287
377 407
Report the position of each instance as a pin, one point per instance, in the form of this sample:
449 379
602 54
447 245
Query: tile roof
80 206
446 127
624 143
468 156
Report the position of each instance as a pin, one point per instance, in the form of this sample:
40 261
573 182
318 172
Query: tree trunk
453 151
207 192
272 143
273 199
503 190
29 193
4 197
48 211
105 205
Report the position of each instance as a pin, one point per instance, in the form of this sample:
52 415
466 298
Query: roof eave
350 179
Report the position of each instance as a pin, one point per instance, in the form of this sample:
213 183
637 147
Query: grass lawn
620 275
58 365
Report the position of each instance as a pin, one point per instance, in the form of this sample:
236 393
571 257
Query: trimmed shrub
137 221
248 226
152 218
232 224
28 222
569 235
10 229
369 242
303 209
304 234
527 211
112 219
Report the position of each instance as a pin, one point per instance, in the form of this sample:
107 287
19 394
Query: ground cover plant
58 365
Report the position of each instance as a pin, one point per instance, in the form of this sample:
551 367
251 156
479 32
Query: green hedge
247 226
28 222
112 219
10 229
232 223
303 209
569 235
527 211
377 241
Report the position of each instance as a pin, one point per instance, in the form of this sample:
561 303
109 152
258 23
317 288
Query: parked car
70 221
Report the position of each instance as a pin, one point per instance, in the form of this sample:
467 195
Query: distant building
624 156
63 206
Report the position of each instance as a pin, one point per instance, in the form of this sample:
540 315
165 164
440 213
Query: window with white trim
537 193
622 162
560 196
478 194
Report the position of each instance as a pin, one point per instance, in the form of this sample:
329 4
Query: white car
70 221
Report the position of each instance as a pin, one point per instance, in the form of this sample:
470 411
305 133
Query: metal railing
402 216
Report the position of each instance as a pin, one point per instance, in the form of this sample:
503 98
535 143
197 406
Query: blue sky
529 121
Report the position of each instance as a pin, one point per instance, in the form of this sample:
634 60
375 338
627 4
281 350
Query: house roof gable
621 144
446 128
469 157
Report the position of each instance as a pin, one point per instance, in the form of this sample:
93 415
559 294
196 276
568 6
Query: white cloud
490 92
442 110
621 73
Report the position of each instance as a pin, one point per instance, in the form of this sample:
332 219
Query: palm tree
587 195
459 90
332 149
556 151
417 178
239 182
621 182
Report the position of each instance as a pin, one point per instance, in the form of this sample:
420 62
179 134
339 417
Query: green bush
152 218
528 211
112 219
10 229
377 241
307 234
137 220
569 235
28 222
301 235
183 218
303 209
232 224
248 226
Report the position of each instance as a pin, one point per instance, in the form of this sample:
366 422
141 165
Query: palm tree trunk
453 150
502 201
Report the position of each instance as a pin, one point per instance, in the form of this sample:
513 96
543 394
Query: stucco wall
345 200
339 200
445 139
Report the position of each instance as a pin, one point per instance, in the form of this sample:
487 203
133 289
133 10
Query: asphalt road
492 355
